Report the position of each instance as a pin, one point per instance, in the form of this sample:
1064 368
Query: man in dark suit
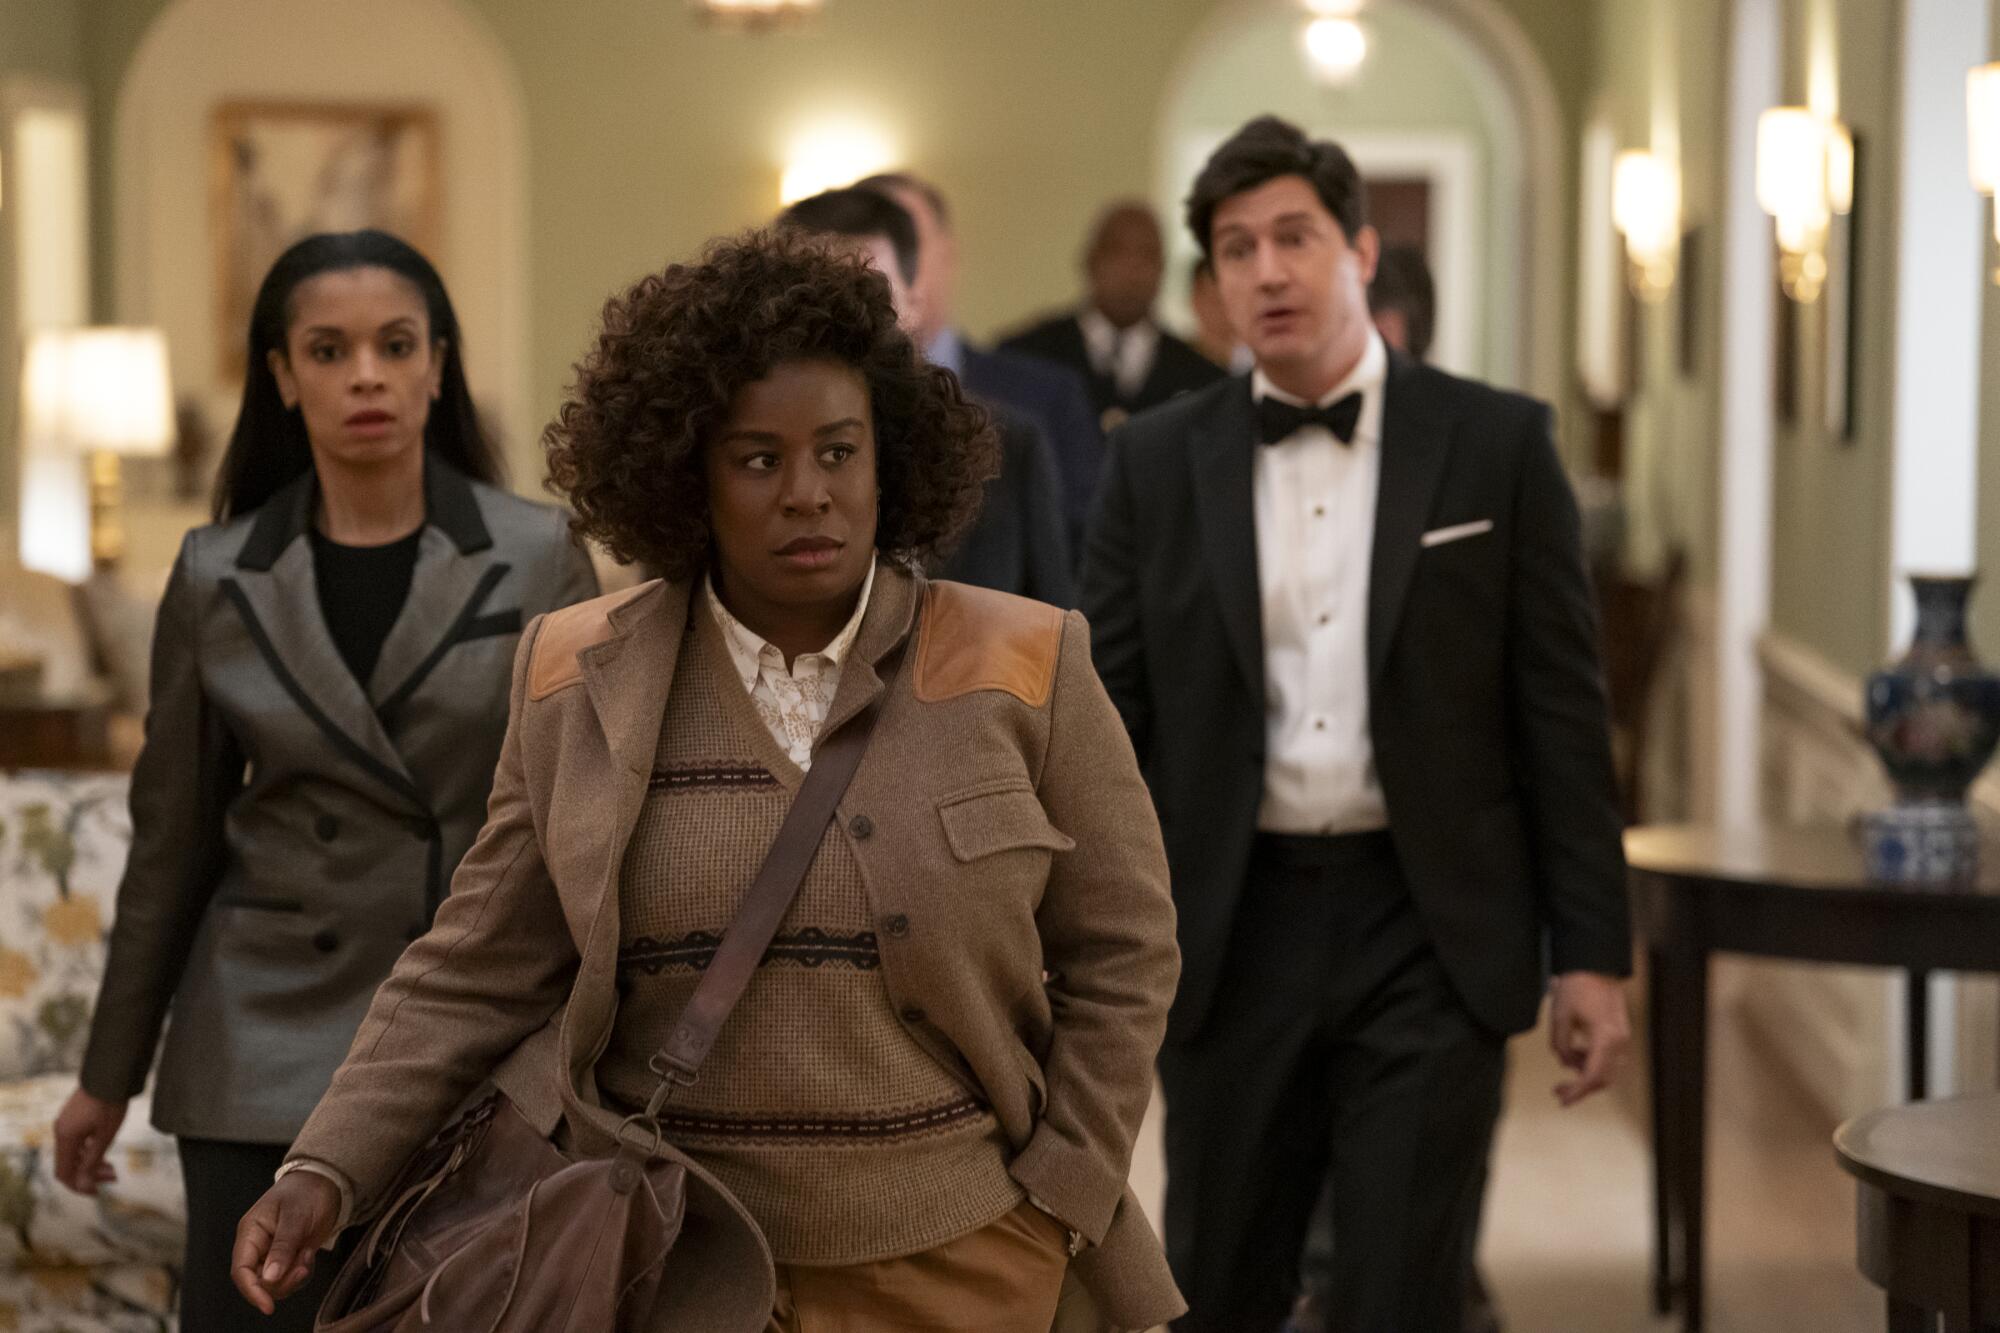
1020 543
1342 608
1053 398
1129 362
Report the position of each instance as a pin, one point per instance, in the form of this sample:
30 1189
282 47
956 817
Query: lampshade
1646 203
1982 106
1839 168
97 389
1792 166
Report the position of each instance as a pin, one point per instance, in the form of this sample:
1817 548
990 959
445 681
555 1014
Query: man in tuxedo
1053 398
1019 543
1341 607
1128 361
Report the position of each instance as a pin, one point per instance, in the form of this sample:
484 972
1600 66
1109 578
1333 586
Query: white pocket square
1457 533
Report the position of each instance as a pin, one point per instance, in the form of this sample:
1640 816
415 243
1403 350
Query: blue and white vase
1934 718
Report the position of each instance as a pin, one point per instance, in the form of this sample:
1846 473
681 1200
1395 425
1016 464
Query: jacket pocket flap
996 818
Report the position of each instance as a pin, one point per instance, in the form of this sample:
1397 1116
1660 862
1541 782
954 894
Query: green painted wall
1830 499
648 133
1660 85
41 37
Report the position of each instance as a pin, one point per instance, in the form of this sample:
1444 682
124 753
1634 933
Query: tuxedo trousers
1337 1049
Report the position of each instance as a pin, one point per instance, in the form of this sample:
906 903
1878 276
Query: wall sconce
1805 176
828 156
1982 108
1646 209
97 393
756 15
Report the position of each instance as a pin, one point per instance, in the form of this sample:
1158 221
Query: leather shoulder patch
566 633
976 639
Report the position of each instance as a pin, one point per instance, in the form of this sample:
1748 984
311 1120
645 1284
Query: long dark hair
268 448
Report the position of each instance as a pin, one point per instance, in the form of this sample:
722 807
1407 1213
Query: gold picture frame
280 171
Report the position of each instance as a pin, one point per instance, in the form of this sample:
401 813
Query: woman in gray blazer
330 674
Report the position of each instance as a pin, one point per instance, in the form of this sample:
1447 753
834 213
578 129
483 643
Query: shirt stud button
326 941
1319 511
861 826
1319 724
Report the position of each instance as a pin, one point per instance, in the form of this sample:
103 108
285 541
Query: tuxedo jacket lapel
1415 446
1221 448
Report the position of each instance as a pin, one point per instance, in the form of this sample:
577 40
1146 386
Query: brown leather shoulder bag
493 1229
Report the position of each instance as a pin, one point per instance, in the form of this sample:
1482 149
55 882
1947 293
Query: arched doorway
201 55
1452 99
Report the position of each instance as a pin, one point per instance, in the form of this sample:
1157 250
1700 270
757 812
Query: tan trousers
1003 1278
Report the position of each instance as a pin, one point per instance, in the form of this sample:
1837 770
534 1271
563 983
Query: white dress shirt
792 702
1314 501
1124 356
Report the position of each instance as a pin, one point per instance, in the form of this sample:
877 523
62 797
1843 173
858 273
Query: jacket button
326 828
913 1015
326 941
897 926
861 826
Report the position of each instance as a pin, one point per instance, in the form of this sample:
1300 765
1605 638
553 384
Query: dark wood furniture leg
1659 997
1917 1013
1688 1034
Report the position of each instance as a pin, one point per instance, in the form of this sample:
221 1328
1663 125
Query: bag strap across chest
756 922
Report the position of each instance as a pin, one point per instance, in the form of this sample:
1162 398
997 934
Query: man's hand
1589 1028
277 1238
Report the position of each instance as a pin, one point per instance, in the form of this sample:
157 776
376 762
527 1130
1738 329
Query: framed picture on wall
280 171
1688 289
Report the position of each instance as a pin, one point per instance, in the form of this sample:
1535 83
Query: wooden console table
1775 892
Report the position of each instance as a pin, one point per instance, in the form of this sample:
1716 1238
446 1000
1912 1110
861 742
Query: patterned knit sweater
843 1137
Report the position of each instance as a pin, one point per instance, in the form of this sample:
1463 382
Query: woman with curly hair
927 1095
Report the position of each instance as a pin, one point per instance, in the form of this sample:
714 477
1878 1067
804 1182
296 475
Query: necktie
1277 420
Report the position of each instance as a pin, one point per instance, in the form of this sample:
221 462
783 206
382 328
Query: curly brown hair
627 447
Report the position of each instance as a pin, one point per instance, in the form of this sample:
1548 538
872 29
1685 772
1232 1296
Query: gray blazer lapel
1415 445
280 609
449 593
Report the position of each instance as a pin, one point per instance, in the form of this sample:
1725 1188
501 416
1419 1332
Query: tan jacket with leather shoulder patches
999 818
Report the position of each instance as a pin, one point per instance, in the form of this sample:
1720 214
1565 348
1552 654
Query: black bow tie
1277 420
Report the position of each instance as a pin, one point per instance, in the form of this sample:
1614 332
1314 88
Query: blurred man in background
1020 543
1403 301
1112 340
1053 398
1215 336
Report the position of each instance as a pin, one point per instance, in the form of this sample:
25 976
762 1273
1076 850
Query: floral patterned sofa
70 1264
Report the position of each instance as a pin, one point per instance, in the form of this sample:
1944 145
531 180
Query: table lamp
97 394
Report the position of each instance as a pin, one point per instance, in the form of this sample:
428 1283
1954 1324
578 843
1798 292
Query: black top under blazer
291 830
1486 702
